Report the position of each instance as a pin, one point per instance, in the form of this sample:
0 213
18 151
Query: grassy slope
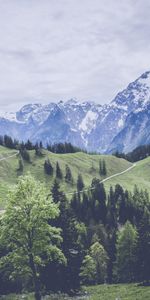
140 175
79 163
119 292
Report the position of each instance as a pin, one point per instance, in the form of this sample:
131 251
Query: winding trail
84 190
104 180
7 157
118 174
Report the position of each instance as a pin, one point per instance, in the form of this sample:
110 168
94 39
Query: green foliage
57 195
68 176
88 270
30 241
119 292
94 265
20 164
102 168
80 183
48 167
143 249
125 265
25 155
59 174
100 258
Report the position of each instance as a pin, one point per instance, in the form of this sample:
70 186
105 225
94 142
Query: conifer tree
80 183
68 176
104 170
48 167
25 155
100 168
143 270
21 164
59 174
57 195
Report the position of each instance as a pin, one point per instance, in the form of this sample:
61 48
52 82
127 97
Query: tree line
137 154
11 143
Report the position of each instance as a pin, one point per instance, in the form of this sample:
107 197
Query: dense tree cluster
138 153
63 148
104 237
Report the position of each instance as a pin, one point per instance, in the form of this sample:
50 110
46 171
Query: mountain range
121 125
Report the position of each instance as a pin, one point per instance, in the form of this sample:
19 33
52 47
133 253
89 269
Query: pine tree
38 150
48 167
25 155
80 183
100 168
99 201
57 195
21 164
68 176
143 269
8 142
104 170
59 174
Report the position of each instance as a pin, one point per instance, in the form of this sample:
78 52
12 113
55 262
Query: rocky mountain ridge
122 125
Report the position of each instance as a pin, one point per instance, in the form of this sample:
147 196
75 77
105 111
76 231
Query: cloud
89 49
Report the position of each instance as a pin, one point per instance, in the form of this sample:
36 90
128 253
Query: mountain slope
85 164
121 125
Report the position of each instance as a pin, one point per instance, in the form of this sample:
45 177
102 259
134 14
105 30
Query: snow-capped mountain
121 125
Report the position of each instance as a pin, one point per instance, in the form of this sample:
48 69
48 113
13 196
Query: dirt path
104 180
7 157
84 190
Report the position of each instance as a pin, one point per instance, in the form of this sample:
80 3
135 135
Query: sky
53 50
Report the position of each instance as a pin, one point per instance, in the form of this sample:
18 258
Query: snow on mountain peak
88 123
83 123
72 101
11 116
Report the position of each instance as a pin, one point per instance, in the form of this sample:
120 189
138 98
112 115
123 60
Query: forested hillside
80 230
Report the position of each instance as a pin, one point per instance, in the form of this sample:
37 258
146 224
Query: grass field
87 165
140 175
119 292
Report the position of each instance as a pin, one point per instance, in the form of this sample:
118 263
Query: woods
48 241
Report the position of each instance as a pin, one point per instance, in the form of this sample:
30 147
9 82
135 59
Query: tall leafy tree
30 241
126 255
94 265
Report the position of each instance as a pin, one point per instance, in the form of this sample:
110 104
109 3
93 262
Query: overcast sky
59 49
